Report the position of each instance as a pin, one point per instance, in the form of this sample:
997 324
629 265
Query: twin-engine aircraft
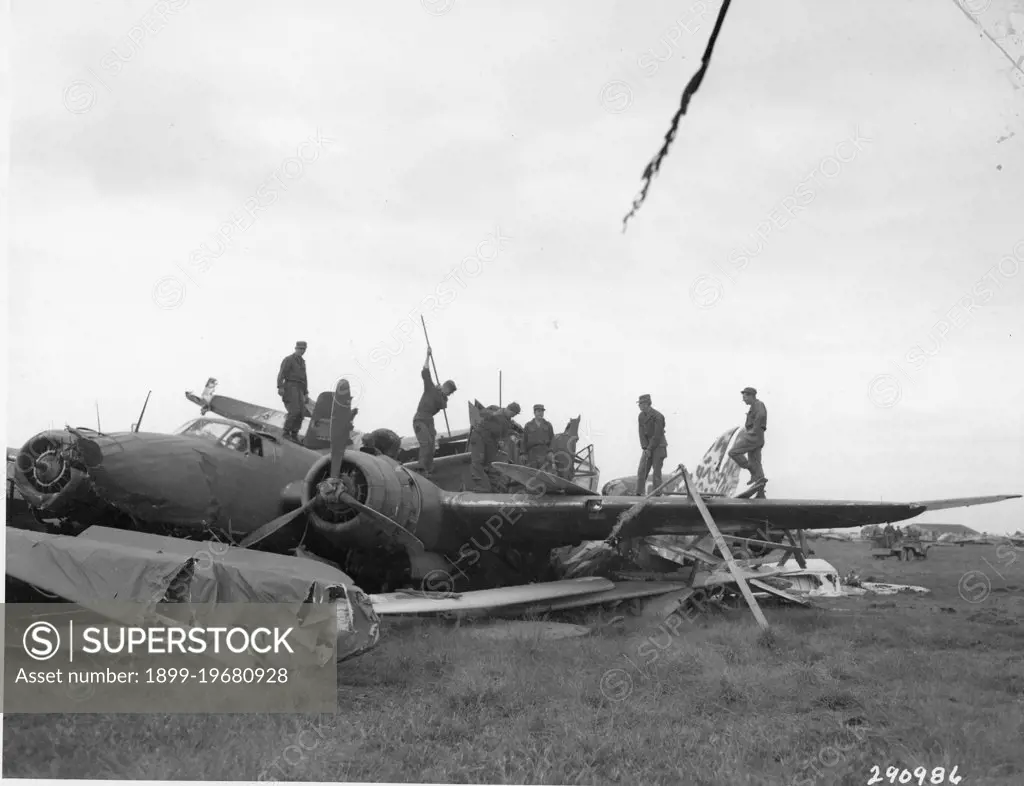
376 518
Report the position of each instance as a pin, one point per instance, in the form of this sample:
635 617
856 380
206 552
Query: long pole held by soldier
437 377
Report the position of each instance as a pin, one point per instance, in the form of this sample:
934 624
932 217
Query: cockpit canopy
228 433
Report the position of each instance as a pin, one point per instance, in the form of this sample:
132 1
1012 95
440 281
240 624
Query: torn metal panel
717 474
819 579
880 588
722 575
430 603
620 591
105 564
768 589
680 549
539 479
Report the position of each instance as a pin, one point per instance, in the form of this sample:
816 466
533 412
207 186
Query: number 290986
920 775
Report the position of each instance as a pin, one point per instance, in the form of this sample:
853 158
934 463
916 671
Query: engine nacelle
51 472
389 488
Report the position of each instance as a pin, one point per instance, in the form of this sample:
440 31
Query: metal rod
144 403
437 376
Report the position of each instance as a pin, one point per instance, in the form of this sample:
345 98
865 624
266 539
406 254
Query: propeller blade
273 526
392 527
341 425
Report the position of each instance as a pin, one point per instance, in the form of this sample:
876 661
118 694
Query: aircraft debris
881 588
103 564
394 603
726 554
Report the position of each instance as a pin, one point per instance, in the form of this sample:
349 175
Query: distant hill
952 529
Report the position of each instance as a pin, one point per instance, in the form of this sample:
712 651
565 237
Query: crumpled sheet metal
880 588
104 564
716 474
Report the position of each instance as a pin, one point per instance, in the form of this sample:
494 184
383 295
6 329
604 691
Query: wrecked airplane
387 527
221 478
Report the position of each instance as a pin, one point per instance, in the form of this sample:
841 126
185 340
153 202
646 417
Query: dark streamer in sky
655 163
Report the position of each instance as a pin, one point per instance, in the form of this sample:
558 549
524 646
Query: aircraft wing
964 502
560 519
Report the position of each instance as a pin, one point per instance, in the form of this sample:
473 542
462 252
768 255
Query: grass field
905 681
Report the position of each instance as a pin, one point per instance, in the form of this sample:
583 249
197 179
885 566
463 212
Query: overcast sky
839 222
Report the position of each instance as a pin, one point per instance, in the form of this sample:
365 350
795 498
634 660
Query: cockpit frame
228 434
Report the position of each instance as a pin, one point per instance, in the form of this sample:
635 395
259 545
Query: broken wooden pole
585 562
634 511
724 548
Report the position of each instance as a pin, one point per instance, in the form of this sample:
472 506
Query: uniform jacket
293 369
537 435
652 429
757 417
494 425
432 401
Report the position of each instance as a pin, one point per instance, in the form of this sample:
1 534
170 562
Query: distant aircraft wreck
337 522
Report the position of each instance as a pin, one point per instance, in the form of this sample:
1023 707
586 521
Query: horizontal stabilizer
541 481
964 502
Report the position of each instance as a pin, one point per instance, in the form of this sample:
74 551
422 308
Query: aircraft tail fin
717 473
318 434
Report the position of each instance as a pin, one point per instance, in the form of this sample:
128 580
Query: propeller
334 488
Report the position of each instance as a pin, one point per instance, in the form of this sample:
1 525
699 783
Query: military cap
644 399
514 407
300 344
751 391
538 407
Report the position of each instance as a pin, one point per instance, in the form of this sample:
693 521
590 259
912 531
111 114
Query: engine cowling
51 471
388 488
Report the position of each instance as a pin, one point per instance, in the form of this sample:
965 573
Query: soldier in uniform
433 400
495 425
652 441
747 450
292 388
537 436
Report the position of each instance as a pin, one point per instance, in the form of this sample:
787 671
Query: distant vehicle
905 546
